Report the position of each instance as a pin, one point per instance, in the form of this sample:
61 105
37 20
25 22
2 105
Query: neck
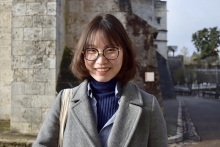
103 87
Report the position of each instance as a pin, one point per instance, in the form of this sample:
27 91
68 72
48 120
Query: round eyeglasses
110 53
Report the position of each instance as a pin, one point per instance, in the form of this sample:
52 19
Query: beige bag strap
66 96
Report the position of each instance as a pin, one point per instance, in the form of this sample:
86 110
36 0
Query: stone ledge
179 133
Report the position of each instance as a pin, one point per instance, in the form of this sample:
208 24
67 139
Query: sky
185 17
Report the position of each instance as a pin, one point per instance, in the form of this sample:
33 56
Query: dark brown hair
113 31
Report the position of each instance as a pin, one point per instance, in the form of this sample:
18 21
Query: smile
102 69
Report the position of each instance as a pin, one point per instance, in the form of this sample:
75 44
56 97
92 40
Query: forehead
99 37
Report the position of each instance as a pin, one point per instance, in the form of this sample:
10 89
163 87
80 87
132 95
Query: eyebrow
108 45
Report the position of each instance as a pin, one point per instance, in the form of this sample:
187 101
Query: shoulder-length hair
114 33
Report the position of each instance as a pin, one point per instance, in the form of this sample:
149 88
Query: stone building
33 36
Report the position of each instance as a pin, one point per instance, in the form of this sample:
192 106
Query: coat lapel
82 113
127 117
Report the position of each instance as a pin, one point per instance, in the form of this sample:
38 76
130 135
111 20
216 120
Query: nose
101 59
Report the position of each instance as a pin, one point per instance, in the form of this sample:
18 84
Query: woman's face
102 69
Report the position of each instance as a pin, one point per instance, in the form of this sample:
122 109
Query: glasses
110 53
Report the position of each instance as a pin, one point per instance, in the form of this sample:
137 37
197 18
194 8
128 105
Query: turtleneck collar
103 87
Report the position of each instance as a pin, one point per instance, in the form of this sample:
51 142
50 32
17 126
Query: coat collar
126 120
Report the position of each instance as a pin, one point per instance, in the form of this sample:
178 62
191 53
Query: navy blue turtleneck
107 102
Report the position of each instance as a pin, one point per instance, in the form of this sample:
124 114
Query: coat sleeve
158 131
49 132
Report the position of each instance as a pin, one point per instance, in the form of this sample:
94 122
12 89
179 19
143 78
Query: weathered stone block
140 39
45 75
19 127
5 6
17 34
36 9
44 21
20 101
50 88
6 19
95 6
49 34
5 53
47 99
5 42
20 75
6 75
5 30
75 6
35 127
36 115
34 88
50 47
6 63
19 9
51 8
37 101
32 33
17 88
50 61
22 21
5 36
26 114
112 6
15 114
18 49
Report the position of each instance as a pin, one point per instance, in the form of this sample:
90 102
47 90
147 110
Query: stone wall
5 59
34 63
41 29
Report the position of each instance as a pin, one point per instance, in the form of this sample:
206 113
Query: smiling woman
106 109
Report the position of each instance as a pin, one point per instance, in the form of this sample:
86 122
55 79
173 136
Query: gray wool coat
139 122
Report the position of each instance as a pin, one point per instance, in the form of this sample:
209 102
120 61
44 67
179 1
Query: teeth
102 69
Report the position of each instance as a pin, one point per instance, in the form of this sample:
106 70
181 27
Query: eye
91 51
111 49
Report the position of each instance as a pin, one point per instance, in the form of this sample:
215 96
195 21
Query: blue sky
185 17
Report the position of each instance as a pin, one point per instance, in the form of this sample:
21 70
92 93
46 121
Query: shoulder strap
66 96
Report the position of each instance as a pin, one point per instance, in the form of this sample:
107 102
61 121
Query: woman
106 109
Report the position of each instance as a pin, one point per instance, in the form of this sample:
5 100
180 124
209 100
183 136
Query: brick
20 101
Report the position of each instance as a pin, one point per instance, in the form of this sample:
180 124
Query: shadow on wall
66 79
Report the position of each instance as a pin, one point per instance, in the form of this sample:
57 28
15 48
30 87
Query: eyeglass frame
101 53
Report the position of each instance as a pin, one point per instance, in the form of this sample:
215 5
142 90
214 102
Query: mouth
102 69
